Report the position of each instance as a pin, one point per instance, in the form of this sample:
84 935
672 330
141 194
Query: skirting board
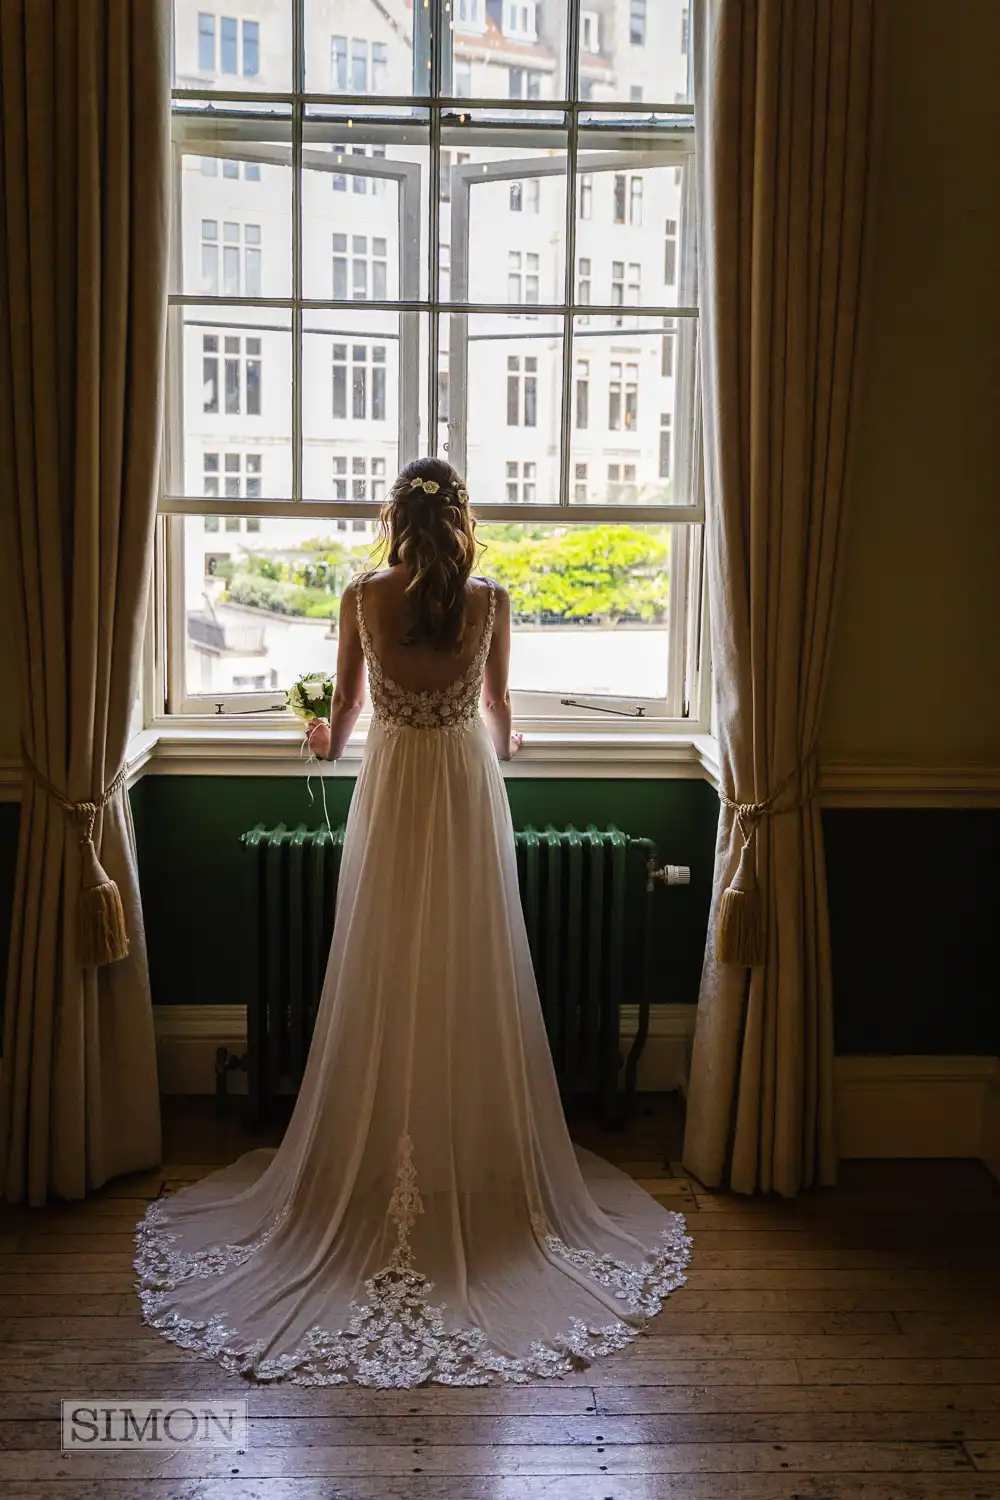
885 1106
188 1037
919 1107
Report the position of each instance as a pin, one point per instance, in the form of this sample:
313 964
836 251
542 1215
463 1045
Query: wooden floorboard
845 1346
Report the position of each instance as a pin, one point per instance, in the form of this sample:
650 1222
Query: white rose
314 690
431 486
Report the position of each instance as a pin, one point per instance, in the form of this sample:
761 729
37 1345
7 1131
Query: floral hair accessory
463 495
429 486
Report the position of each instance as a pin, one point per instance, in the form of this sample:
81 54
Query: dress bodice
453 707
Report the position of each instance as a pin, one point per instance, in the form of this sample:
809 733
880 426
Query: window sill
167 749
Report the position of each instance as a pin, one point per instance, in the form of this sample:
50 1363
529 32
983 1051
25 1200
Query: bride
426 1217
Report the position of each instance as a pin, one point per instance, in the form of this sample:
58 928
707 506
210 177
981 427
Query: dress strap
359 589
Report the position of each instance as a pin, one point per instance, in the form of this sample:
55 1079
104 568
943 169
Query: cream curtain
784 95
84 141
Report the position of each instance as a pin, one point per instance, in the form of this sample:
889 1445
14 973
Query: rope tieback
101 930
739 934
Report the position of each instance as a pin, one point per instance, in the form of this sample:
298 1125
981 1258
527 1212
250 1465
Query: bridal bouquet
310 696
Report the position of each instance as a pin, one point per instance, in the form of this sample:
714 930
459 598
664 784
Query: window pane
363 219
637 210
252 54
484 222
261 597
588 606
638 52
631 403
219 429
396 56
509 364
352 389
250 220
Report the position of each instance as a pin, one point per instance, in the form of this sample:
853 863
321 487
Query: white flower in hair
463 495
429 486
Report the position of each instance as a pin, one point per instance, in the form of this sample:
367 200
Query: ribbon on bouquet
322 784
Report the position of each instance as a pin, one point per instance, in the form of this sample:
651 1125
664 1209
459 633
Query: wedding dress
426 1216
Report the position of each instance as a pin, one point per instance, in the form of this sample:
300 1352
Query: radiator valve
667 875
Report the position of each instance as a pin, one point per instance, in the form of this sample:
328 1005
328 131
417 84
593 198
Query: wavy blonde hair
433 535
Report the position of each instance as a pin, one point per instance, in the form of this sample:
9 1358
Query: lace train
398 1337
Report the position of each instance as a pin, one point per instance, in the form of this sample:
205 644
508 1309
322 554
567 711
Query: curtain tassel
101 928
740 931
100 919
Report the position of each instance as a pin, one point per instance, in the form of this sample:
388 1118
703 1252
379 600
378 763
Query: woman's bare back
418 668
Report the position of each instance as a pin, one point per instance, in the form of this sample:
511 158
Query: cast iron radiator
587 900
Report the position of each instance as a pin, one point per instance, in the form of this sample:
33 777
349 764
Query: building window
521 480
240 475
667 348
633 286
583 297
580 484
522 276
685 30
635 93
635 201
524 83
241 250
444 390
449 160
590 31
359 384
618 285
360 275
241 375
582 393
206 42
248 170
239 45
522 391
623 397
619 198
670 253
462 78
519 19
526 196
621 483
586 196
637 23
354 62
666 421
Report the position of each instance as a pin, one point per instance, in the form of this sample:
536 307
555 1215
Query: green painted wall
188 829
914 915
914 895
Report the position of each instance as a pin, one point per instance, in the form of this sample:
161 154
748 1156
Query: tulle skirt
426 1216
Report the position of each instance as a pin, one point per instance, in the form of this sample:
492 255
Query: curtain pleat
785 98
84 157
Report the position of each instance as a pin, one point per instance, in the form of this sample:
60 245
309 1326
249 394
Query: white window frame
660 145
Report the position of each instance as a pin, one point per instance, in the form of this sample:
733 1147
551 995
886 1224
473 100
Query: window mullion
569 292
298 65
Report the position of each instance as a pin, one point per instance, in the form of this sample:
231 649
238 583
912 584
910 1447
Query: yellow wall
916 664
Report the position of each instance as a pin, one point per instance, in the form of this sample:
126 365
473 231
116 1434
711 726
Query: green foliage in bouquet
310 696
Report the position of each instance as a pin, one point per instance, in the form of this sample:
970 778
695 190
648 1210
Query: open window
392 238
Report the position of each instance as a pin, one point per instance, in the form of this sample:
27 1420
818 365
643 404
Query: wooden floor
844 1346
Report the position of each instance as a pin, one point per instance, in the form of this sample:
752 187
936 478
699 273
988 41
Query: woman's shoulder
485 584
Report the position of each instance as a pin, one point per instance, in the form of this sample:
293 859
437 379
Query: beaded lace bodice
453 707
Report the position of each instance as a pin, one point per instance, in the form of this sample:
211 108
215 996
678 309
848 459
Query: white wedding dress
426 1217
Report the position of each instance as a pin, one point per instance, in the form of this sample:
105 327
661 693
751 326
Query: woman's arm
496 697
327 740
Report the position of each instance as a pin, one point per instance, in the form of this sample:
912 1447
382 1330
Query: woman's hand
318 737
516 741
